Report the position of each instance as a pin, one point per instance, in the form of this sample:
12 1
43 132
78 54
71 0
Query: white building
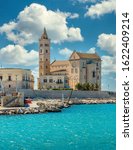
15 79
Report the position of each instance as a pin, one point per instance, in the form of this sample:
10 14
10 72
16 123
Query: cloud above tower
29 24
65 52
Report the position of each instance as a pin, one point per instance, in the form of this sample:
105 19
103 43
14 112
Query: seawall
66 94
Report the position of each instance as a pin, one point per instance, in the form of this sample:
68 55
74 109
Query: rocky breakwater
37 106
43 106
92 101
52 105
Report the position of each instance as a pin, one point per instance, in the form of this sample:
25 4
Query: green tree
84 86
79 86
96 87
92 87
88 86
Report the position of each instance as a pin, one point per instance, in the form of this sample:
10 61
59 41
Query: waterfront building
15 78
80 68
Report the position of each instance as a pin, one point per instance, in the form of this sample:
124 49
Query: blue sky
81 25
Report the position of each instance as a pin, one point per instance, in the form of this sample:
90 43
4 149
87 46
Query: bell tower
44 54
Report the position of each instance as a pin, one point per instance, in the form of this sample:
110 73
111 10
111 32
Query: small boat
28 101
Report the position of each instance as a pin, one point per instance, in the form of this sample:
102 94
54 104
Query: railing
59 82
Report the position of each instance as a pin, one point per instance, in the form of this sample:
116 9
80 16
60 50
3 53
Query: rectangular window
93 74
1 78
83 65
51 80
45 80
46 51
9 78
59 81
47 45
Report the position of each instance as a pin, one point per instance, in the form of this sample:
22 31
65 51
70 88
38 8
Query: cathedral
80 68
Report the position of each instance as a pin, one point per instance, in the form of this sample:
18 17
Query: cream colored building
15 79
80 68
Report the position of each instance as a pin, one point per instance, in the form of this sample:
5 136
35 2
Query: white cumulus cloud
17 55
73 16
68 14
108 64
28 26
65 52
107 42
92 50
99 9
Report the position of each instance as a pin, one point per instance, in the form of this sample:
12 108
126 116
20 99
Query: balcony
59 82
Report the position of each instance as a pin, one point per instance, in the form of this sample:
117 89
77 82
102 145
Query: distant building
15 79
80 68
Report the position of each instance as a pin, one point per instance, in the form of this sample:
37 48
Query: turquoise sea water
81 127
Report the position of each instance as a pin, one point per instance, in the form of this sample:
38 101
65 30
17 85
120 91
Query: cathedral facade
80 68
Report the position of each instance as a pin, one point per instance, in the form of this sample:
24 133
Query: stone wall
59 94
12 101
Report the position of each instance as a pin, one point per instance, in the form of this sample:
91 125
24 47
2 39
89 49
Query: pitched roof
58 63
87 55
